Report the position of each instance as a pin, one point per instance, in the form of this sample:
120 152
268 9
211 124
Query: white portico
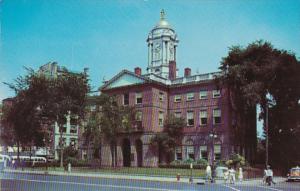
162 43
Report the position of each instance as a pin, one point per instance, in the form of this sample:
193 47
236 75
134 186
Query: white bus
34 159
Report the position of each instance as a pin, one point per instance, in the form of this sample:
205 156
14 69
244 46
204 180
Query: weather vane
162 14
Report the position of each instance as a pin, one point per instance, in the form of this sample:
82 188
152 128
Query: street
35 182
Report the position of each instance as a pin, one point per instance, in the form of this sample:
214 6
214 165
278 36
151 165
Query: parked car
294 174
220 170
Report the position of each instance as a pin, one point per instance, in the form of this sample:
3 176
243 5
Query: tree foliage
40 98
261 74
170 137
115 119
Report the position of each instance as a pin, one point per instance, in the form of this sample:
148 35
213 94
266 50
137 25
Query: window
190 118
203 117
161 119
217 152
190 96
203 94
62 141
203 152
64 128
73 142
126 99
139 98
138 116
73 129
178 153
177 98
217 116
189 150
177 114
161 96
93 108
216 93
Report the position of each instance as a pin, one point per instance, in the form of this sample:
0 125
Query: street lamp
212 136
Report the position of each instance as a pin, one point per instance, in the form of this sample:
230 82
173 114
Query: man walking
269 176
232 175
208 173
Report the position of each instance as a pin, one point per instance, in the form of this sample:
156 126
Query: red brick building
160 92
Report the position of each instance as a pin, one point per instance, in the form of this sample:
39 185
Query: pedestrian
269 175
208 173
232 175
264 180
226 176
241 174
13 163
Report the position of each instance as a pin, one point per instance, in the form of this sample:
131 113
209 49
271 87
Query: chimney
172 70
138 71
187 72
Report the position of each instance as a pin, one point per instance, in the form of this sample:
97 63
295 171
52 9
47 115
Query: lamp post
212 136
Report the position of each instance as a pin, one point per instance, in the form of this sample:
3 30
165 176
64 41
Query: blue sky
108 36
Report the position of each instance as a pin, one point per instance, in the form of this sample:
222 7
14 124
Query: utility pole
267 134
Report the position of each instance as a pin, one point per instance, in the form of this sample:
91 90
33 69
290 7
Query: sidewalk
256 181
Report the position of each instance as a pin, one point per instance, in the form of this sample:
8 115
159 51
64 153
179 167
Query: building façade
208 133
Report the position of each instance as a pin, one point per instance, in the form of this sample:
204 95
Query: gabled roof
124 78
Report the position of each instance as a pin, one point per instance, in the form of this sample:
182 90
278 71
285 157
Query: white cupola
162 43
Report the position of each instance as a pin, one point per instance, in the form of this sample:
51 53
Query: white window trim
136 118
214 115
161 114
124 99
200 117
176 96
136 97
190 98
205 96
187 119
161 96
218 94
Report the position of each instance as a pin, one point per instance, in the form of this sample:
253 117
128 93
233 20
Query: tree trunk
88 148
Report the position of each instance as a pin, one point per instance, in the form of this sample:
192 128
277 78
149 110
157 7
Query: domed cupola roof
162 28
163 23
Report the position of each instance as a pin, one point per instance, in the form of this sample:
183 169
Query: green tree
251 74
68 96
114 120
169 138
22 119
39 98
92 130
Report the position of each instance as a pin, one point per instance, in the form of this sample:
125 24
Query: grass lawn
134 171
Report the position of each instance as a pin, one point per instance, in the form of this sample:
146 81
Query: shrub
188 161
202 162
236 160
176 162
